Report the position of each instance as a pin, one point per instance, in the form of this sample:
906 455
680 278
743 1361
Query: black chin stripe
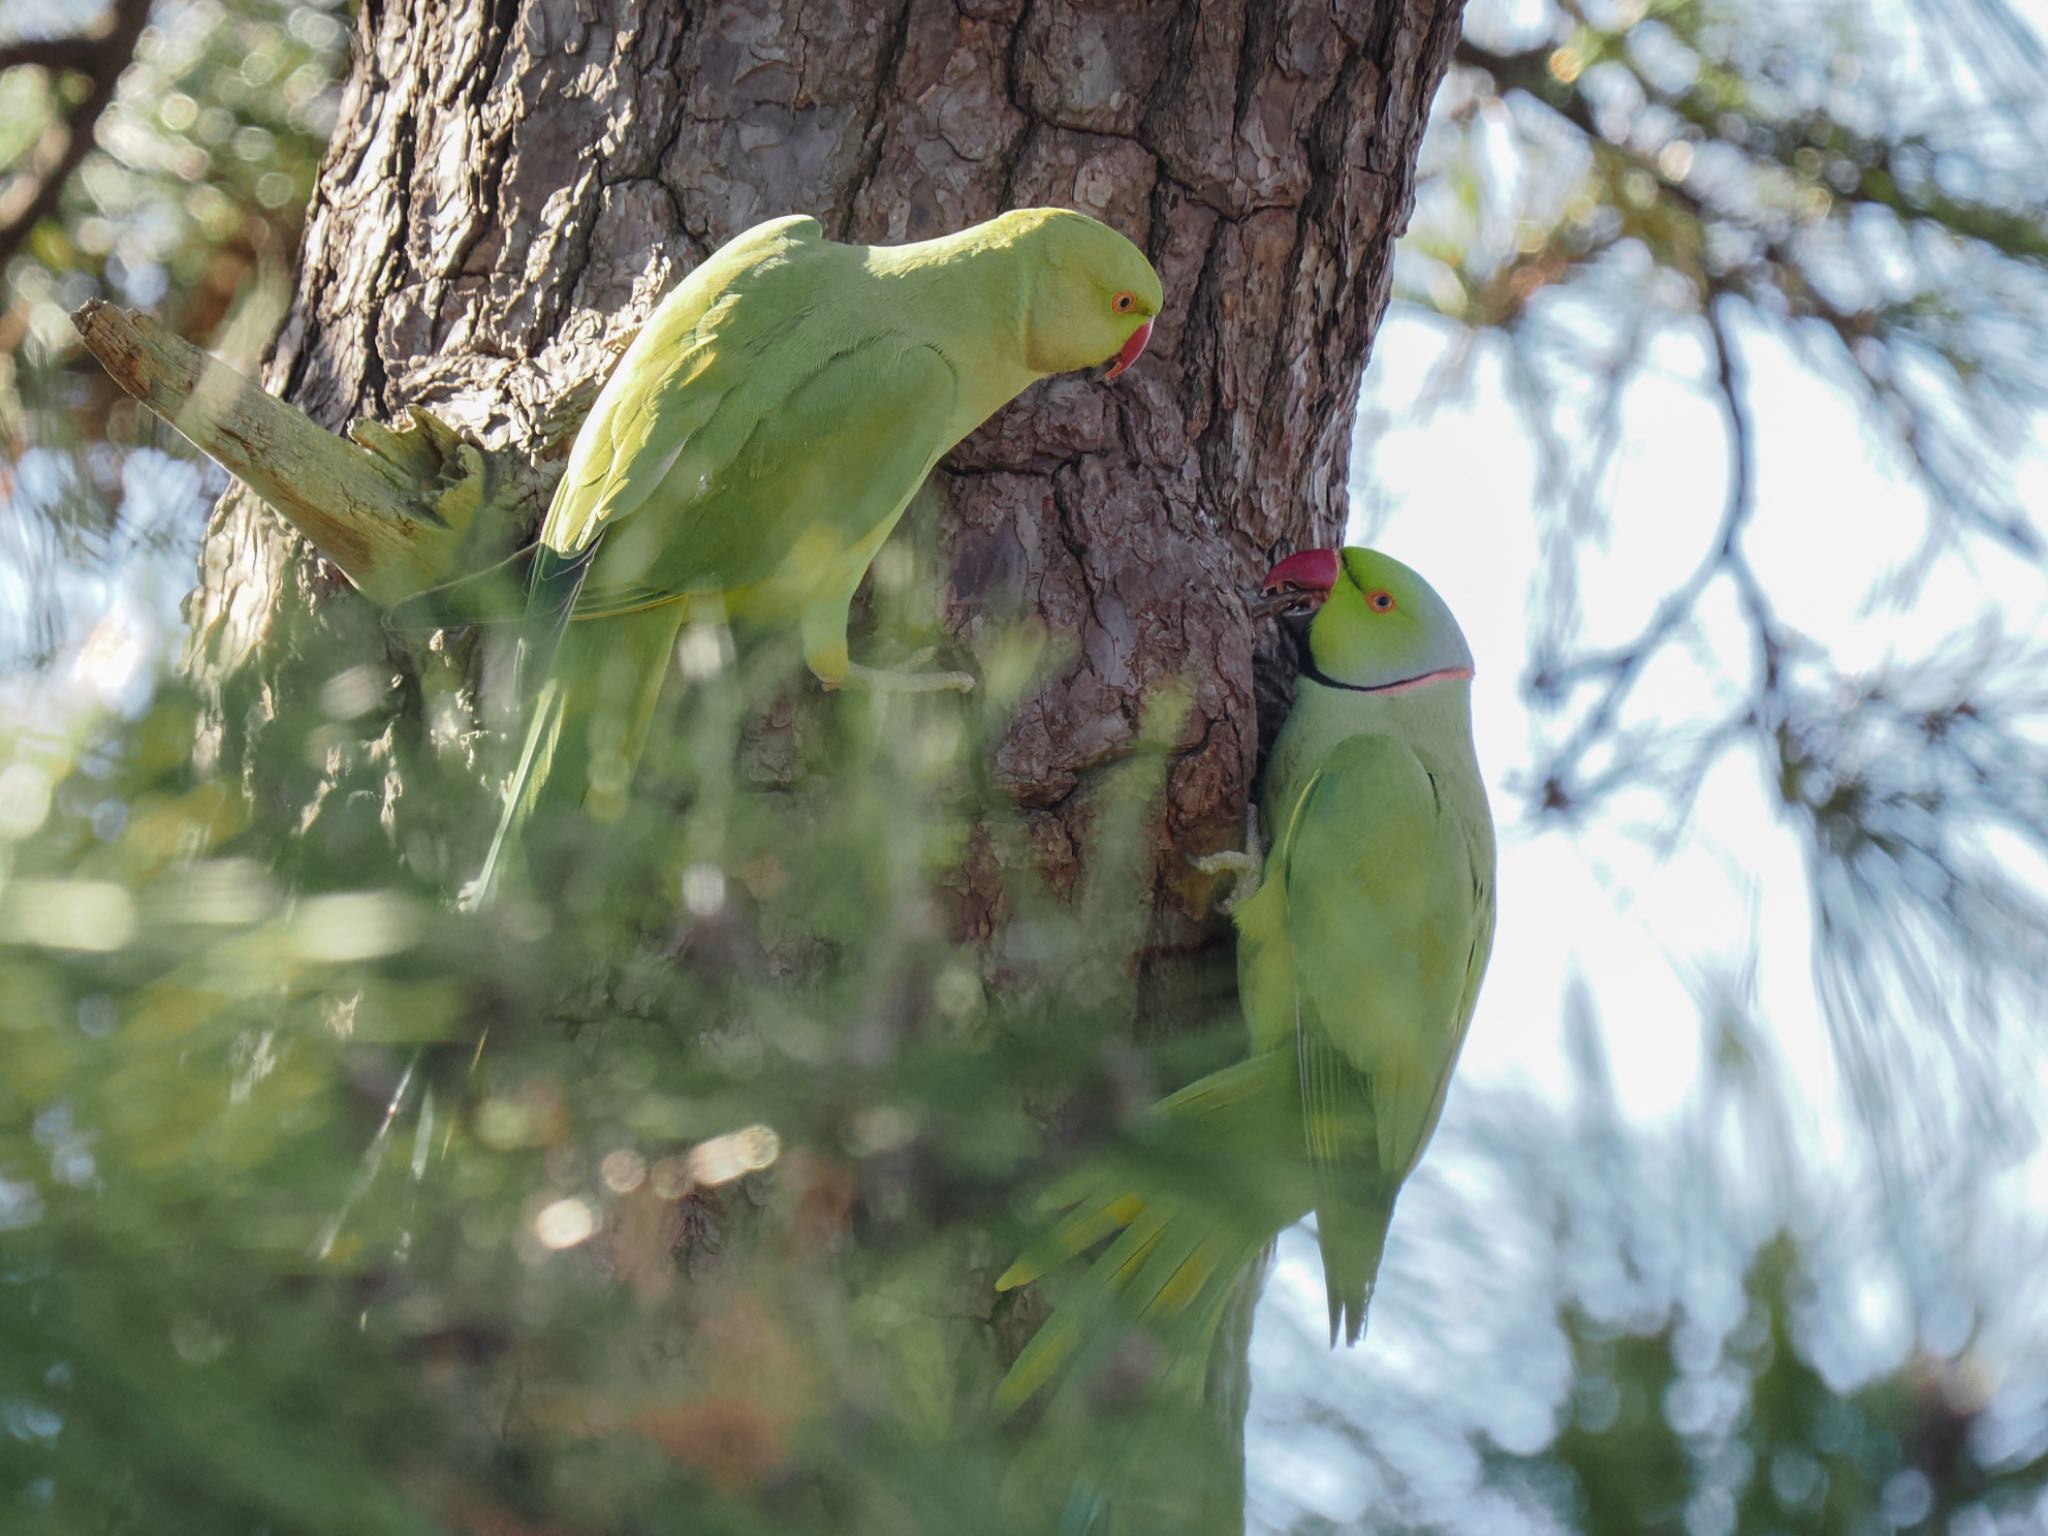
1316 674
1305 666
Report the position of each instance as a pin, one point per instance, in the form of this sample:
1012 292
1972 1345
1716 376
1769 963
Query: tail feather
551 592
1103 1196
1190 1202
543 734
1188 1282
1098 1211
1054 1343
590 713
1170 1458
1354 1199
1352 1233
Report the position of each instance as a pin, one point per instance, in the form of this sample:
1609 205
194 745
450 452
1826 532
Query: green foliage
1670 1433
662 1195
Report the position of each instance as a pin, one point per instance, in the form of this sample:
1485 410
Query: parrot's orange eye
1380 600
1124 302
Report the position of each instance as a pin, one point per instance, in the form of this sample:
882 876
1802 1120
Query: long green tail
543 731
590 715
1212 1175
1188 1207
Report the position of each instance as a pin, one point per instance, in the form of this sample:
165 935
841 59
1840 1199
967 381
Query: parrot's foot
1246 866
1249 865
904 679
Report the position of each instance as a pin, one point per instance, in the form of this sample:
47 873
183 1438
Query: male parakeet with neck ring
1359 962
761 437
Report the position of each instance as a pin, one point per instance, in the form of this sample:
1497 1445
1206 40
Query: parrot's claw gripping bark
1248 865
905 679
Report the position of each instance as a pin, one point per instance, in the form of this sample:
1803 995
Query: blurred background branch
84 70
183 196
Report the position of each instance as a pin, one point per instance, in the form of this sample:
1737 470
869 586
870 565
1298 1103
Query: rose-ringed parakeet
761 437
1359 961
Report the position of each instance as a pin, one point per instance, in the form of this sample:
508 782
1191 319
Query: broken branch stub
400 509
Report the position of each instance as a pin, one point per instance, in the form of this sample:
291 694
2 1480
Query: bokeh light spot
564 1223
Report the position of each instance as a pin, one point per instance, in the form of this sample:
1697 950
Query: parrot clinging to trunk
761 437
1359 961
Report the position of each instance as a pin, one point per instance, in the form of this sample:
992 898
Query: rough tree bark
512 186
513 183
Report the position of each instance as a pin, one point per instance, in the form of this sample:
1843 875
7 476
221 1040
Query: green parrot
762 436
1360 955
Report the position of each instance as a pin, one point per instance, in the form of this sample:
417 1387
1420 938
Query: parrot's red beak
1299 581
1133 349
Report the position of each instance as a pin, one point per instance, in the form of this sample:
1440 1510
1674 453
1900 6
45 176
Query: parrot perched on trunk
1359 961
761 437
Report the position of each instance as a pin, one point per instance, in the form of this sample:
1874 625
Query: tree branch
79 51
1622 667
397 514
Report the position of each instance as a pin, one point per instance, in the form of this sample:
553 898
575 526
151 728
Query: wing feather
669 383
1386 928
1381 917
777 474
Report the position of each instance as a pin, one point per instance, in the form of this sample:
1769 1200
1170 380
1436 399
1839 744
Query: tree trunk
511 187
514 183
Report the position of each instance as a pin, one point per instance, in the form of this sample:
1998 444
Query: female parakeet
1359 962
761 437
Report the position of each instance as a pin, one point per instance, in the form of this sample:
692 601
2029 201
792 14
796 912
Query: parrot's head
1377 626
1093 294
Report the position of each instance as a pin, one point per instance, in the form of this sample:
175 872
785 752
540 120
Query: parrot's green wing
794 480
828 474
1388 914
654 409
736 443
656 405
742 430
668 386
